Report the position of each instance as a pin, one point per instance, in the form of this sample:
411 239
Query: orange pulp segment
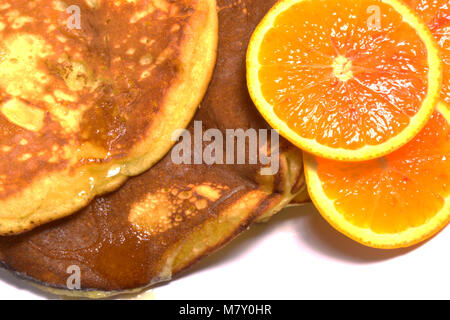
347 80
436 14
395 201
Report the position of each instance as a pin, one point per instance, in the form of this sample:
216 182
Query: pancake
163 221
90 94
301 198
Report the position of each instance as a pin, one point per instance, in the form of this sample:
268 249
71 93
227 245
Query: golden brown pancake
301 198
166 219
91 92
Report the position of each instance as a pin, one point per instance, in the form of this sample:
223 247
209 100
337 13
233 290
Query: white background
297 255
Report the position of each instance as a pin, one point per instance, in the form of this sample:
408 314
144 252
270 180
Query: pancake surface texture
90 94
163 221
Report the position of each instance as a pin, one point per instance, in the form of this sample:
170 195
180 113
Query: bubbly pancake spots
25 157
207 191
19 72
93 4
167 208
162 5
57 67
153 214
23 115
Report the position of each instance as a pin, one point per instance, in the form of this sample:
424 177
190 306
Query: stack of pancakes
88 111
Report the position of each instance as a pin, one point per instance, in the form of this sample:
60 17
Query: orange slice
436 14
391 202
347 80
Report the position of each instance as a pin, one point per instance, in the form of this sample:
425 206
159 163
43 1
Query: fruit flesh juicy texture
404 190
436 13
342 81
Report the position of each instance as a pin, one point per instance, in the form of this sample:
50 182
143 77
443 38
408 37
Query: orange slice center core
342 68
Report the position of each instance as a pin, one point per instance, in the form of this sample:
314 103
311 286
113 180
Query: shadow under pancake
13 281
310 230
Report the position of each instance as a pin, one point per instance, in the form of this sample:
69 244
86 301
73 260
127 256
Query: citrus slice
347 80
391 202
436 14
